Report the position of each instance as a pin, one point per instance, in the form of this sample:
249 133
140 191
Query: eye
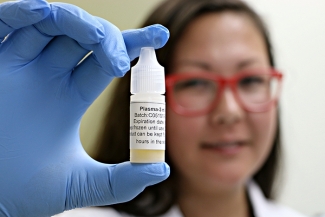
193 83
251 81
194 93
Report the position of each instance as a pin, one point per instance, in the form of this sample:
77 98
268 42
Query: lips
227 148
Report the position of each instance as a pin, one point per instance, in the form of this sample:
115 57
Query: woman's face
225 147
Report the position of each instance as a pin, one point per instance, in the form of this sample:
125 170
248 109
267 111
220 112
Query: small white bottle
147 109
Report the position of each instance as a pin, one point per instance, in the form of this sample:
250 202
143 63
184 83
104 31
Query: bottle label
147 125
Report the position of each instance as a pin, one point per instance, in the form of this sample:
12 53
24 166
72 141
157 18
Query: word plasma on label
151 109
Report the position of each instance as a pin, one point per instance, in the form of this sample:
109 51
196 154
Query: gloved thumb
128 180
98 184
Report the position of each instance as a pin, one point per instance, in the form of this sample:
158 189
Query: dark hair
113 143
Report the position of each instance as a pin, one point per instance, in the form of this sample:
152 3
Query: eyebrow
206 66
196 63
246 62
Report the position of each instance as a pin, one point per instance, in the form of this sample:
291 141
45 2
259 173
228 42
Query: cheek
263 126
183 134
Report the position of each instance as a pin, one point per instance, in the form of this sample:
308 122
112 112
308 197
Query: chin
228 179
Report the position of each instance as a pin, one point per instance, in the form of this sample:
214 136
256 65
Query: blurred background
298 34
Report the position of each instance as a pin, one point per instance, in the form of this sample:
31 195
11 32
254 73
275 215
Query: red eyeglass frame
223 83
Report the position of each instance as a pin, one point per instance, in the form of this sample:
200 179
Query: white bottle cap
147 76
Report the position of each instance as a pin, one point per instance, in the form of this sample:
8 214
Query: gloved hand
43 94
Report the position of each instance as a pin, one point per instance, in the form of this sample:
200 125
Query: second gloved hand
43 94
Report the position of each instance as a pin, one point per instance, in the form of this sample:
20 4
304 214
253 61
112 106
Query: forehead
221 40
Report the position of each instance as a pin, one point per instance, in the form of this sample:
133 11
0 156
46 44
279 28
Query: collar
262 207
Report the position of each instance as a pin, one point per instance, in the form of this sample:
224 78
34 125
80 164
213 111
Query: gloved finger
94 74
105 184
17 14
70 20
25 44
111 52
90 79
128 180
64 19
91 32
151 36
62 54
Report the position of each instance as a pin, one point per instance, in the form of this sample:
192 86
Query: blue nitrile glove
43 94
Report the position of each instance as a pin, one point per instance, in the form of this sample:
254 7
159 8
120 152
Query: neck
225 203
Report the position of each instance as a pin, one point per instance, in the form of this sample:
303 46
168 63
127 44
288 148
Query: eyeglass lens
195 94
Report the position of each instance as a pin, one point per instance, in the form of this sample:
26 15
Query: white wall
298 30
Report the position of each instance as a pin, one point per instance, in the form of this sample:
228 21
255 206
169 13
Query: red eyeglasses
197 93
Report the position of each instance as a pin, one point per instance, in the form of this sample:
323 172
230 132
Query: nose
228 111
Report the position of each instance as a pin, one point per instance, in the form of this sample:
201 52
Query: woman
223 134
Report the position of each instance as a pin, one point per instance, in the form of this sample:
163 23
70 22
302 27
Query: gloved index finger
151 36
17 14
70 20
